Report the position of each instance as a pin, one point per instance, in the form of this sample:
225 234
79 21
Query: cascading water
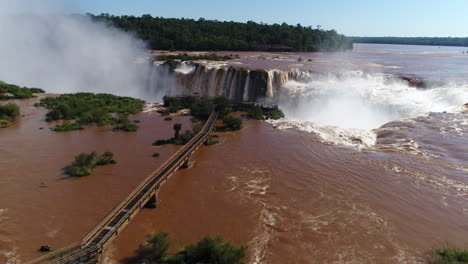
238 84
343 108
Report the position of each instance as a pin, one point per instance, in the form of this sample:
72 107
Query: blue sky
350 17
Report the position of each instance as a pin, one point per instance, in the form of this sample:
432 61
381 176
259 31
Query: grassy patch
156 154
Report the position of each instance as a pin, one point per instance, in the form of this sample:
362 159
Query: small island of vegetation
8 113
207 250
11 91
89 108
84 164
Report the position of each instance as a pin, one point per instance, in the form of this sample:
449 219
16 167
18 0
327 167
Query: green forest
202 35
448 41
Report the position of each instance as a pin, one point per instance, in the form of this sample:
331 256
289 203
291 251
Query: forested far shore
197 35
435 41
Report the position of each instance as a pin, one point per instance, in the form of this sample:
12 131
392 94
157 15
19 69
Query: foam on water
342 108
185 68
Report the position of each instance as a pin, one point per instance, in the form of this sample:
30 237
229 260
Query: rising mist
44 45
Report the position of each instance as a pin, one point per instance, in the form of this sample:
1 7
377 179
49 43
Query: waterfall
238 84
245 96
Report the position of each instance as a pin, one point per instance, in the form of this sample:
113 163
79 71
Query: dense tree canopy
189 34
413 41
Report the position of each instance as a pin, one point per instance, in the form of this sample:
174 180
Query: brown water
289 197
292 199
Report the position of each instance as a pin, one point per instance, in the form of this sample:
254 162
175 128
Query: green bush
449 255
9 112
209 250
105 159
232 123
156 154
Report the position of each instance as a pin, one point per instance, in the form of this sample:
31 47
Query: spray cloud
44 45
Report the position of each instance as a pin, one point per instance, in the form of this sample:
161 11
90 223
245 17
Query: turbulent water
373 170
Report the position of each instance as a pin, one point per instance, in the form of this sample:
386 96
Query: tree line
448 41
189 34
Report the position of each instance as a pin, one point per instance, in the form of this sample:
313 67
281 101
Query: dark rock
45 248
414 81
356 140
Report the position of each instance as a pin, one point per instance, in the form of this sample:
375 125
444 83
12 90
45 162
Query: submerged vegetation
207 250
11 91
189 34
449 255
8 113
84 164
89 108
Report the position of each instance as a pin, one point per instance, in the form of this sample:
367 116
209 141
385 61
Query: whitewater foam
344 108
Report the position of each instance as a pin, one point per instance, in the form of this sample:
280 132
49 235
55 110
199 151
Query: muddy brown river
284 193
